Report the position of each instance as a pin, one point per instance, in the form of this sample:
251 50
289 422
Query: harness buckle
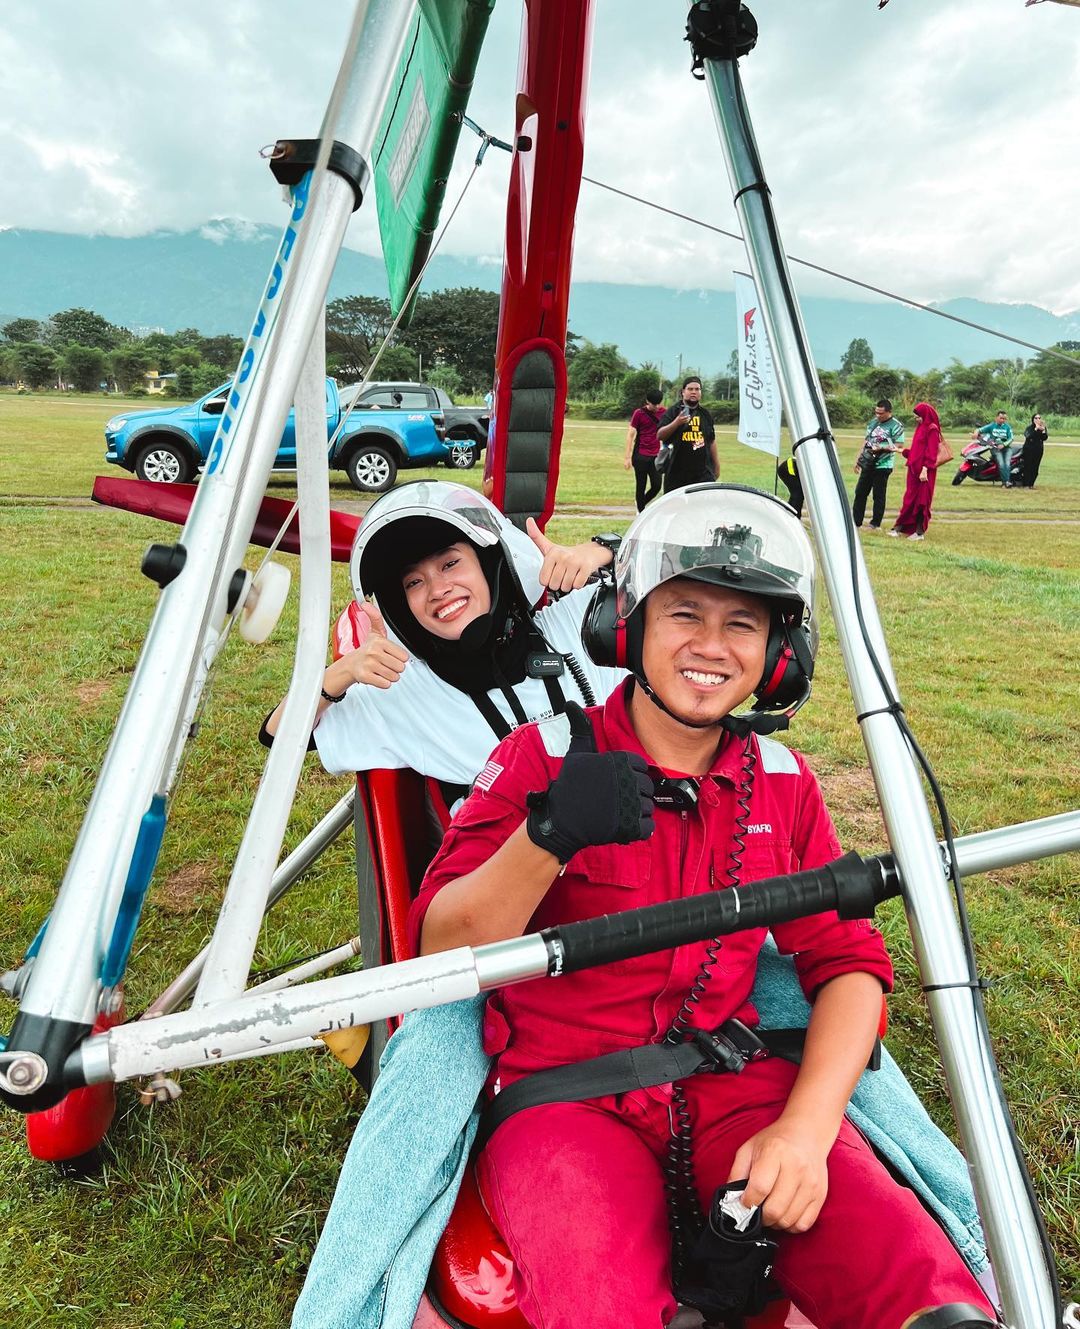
730 1048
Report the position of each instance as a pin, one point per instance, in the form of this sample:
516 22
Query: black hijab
492 649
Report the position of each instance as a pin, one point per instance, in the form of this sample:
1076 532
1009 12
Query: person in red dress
914 515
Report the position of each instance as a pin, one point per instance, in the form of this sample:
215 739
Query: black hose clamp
292 158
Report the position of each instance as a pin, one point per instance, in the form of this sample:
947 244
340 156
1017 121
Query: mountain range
211 278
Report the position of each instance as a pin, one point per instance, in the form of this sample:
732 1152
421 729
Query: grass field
206 1211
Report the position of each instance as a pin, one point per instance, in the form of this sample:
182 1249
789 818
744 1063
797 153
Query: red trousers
577 1191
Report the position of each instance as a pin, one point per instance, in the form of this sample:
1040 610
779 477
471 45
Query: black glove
597 798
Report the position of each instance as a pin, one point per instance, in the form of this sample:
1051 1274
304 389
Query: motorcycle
980 462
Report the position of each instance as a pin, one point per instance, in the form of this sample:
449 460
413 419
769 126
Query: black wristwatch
608 541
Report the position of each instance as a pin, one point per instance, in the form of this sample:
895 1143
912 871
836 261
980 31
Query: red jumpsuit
577 1188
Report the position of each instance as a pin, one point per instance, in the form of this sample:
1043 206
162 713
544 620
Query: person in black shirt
688 427
788 473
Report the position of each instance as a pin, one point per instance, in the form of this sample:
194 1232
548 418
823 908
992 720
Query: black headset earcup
611 641
599 628
789 665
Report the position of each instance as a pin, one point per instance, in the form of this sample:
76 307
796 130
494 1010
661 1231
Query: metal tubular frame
264 1019
237 930
192 621
323 833
1010 1225
193 612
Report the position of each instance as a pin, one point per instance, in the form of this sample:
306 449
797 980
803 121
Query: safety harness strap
496 722
728 1048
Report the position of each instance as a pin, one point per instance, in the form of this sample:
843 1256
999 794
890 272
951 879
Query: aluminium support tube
236 932
324 833
62 993
1012 1230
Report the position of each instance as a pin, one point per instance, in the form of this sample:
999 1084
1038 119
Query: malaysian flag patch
488 775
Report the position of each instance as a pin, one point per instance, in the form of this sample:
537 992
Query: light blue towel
401 1175
404 1167
888 1112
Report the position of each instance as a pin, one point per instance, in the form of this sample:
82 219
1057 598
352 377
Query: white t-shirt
427 725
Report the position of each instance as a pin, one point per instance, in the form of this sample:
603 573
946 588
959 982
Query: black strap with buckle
726 1049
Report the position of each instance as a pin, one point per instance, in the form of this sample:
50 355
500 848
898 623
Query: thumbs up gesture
566 567
378 661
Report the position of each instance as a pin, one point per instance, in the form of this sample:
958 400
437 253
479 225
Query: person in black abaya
1035 436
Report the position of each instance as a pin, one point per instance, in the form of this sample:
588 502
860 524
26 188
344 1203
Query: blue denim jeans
1003 456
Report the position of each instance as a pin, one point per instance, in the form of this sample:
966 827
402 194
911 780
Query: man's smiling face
704 647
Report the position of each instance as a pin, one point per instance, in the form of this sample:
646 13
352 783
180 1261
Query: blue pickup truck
391 426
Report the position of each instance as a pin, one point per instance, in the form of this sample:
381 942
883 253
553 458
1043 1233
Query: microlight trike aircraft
381 131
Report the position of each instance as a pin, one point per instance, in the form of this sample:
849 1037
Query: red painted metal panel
79 1122
151 498
545 177
472 1274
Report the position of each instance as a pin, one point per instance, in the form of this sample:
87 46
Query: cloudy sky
931 147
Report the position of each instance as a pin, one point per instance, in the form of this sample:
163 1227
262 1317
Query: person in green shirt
998 433
884 437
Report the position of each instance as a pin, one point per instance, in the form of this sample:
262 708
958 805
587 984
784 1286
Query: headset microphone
675 793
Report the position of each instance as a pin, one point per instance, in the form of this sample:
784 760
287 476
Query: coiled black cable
680 1187
681 1023
685 1219
580 678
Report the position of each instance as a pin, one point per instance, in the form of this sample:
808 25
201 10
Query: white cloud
220 229
926 148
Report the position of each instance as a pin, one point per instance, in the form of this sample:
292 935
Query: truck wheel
461 454
371 469
163 461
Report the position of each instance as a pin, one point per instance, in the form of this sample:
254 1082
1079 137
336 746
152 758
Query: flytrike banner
759 397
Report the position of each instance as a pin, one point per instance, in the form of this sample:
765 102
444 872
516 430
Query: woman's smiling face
447 591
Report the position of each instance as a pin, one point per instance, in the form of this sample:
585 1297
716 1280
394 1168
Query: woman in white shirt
458 654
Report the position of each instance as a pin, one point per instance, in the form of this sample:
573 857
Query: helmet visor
729 536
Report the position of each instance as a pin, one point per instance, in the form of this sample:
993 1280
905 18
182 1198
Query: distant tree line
604 384
451 334
960 392
450 340
83 349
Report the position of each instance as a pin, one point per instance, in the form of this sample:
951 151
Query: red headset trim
785 657
620 643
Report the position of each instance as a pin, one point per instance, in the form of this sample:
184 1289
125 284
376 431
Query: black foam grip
848 884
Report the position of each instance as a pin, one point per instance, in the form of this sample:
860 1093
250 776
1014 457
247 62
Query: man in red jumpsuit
714 600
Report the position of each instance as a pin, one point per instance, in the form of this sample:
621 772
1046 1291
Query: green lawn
207 1210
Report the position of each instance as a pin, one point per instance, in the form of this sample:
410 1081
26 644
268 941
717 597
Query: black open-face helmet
416 520
727 535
